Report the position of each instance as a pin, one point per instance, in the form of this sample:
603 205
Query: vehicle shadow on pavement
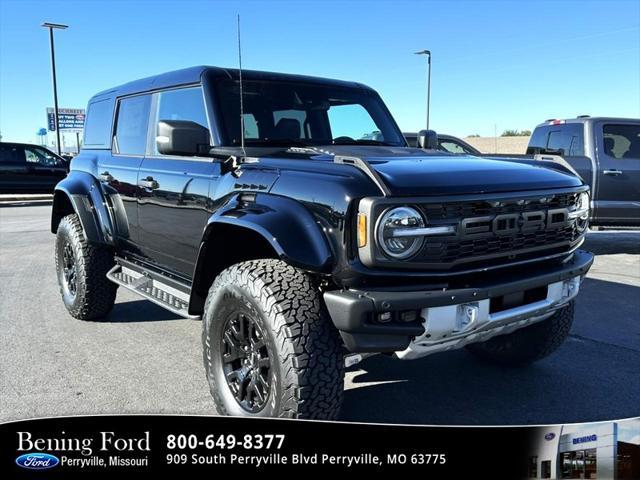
593 376
139 311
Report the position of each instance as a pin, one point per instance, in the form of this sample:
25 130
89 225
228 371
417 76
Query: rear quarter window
132 123
11 154
97 130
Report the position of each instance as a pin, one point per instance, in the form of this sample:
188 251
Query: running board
152 289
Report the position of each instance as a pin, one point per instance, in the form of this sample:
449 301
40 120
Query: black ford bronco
265 208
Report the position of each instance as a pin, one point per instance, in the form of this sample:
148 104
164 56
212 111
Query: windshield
304 114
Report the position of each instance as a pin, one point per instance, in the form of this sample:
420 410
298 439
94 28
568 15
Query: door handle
106 177
149 183
613 172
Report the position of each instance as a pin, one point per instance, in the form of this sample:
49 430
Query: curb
24 198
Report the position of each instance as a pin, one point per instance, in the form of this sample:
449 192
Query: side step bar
151 288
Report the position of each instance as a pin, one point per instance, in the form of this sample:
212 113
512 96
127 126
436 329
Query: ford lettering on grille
513 223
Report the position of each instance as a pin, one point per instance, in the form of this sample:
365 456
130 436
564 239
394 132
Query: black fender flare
285 224
89 202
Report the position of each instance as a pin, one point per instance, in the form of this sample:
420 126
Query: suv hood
411 171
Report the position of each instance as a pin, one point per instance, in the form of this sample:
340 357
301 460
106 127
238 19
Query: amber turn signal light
362 230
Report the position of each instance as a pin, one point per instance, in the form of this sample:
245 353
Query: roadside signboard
68 119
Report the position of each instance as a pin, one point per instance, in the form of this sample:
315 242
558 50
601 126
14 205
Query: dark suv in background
27 168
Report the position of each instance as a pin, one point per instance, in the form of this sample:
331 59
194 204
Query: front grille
459 210
455 249
452 250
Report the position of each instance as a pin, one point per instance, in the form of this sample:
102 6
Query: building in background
608 450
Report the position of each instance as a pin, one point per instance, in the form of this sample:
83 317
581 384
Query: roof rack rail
583 116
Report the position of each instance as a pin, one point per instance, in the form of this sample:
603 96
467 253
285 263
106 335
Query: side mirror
182 137
428 139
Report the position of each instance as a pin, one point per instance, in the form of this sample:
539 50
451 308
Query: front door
618 183
45 169
174 190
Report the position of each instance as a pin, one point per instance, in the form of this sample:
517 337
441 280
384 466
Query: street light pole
428 54
51 26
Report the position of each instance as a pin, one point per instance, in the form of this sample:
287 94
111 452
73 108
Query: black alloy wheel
69 269
246 361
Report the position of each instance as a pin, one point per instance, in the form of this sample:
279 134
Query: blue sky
504 65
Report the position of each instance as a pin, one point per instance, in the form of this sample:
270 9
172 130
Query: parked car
27 168
605 152
303 246
446 143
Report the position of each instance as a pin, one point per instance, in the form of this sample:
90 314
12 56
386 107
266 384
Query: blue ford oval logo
550 436
37 461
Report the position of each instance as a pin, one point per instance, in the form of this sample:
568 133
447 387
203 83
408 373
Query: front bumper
449 316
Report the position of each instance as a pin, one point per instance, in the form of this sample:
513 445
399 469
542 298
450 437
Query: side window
31 156
621 141
351 121
41 157
97 130
451 147
183 104
131 125
11 154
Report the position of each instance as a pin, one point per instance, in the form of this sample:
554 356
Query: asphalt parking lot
143 359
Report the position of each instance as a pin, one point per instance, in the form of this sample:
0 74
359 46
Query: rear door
618 185
118 168
13 169
174 190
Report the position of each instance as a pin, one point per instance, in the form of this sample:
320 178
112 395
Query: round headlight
583 206
394 232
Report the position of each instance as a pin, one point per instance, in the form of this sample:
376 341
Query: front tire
528 344
270 348
82 272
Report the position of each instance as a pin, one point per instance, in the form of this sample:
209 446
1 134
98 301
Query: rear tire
82 272
265 329
528 344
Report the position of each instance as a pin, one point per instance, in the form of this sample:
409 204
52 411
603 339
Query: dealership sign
68 119
586 438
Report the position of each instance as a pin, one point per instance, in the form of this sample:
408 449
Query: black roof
192 75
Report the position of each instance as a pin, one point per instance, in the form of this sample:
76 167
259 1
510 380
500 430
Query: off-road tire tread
92 266
312 349
528 344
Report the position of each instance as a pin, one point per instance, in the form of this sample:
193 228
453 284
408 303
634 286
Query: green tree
516 133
